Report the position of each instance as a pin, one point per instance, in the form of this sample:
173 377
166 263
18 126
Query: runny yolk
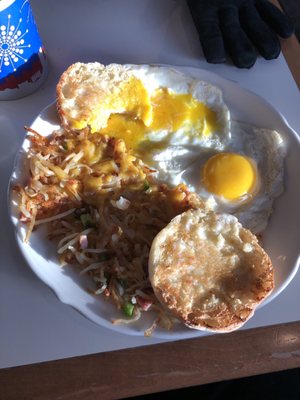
171 112
229 175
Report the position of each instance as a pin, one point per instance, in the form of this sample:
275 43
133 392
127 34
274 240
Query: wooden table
291 51
155 368
160 367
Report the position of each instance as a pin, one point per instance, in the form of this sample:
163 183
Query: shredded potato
103 208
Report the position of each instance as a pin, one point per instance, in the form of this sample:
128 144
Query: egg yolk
135 100
129 96
170 111
229 175
173 111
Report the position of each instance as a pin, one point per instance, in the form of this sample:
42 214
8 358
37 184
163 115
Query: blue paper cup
23 63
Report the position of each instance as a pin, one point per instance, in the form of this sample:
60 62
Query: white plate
281 238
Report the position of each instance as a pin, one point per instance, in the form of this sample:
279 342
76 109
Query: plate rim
160 333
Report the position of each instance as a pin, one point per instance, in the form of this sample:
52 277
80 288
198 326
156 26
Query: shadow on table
283 385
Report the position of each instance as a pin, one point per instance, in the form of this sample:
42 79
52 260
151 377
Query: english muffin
209 271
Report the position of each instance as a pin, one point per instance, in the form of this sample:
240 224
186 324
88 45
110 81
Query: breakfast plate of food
159 201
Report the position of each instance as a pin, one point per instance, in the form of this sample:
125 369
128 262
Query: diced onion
121 203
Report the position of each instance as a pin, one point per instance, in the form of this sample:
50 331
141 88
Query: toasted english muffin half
209 271
88 93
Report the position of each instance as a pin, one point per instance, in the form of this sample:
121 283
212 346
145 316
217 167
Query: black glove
239 26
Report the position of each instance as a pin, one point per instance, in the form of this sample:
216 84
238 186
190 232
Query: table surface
43 341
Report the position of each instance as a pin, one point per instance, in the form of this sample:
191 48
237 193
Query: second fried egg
242 180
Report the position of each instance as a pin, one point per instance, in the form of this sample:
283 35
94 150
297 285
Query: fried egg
244 178
160 113
184 111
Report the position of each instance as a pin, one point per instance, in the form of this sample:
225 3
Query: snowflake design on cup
12 44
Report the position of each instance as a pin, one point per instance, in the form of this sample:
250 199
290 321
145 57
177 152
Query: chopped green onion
87 221
128 309
146 185
104 257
